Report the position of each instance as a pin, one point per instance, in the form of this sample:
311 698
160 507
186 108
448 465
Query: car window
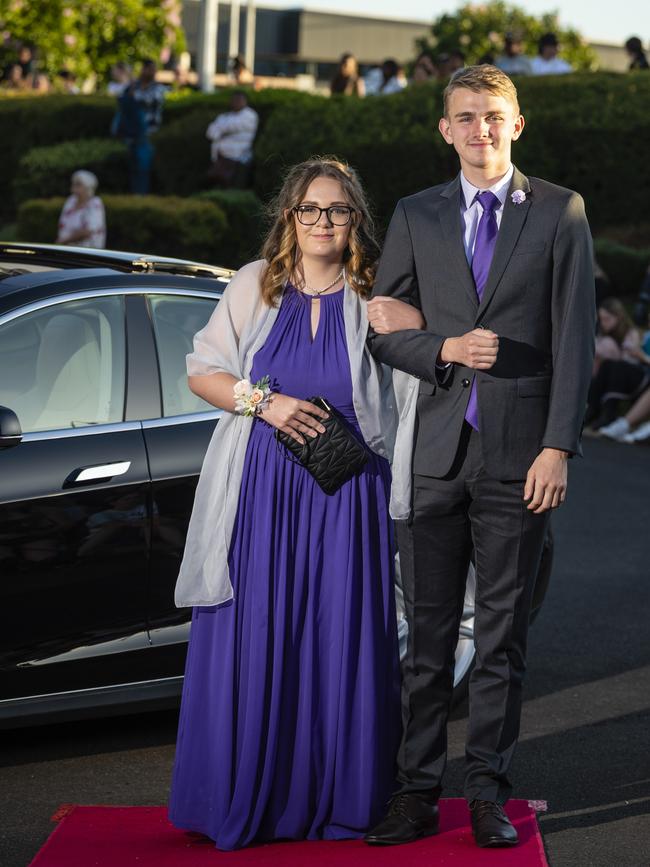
176 319
64 366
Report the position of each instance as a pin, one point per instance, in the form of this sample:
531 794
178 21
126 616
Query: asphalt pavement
585 746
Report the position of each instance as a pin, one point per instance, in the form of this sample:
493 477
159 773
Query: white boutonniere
252 398
518 197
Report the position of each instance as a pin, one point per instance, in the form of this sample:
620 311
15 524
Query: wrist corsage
252 398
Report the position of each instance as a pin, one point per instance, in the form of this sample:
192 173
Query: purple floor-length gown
290 716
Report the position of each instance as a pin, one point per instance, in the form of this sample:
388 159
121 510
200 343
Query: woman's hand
387 315
293 416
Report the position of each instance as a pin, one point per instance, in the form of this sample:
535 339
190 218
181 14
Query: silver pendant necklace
316 293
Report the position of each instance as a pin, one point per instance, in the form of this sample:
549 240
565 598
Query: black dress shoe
491 827
410 817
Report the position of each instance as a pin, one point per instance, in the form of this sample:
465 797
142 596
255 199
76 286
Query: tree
478 30
88 36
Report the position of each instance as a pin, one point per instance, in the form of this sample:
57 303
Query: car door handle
98 472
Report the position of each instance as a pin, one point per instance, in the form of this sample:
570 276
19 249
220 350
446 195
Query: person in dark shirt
634 48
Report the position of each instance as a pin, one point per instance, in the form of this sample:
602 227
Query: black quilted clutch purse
332 457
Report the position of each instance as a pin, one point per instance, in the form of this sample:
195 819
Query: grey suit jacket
540 300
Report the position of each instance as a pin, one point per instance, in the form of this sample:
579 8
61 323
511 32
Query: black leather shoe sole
496 843
378 840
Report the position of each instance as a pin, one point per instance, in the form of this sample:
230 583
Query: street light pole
208 24
233 46
251 13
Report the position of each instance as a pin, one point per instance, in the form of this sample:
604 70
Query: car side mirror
10 430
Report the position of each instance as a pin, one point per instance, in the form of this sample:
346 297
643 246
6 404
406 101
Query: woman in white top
82 222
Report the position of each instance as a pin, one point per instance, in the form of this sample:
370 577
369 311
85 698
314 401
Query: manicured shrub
635 235
28 122
45 171
169 226
624 266
244 213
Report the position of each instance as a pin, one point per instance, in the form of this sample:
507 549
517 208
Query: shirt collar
500 189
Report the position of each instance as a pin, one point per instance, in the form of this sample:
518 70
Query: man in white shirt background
547 61
232 134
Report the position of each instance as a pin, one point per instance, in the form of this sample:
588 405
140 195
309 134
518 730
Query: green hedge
170 226
624 266
30 122
586 131
45 171
245 215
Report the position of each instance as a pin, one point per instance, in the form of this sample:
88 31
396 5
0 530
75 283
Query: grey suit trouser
451 515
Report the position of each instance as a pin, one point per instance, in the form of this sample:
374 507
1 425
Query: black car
101 444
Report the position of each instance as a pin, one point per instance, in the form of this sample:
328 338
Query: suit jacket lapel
452 230
512 222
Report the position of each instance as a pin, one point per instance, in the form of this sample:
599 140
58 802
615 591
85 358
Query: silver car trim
190 418
88 430
8 702
162 636
124 644
83 294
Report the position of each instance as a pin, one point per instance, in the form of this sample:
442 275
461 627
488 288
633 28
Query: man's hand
387 315
546 481
477 349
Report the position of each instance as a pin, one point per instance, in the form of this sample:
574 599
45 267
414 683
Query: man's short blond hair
483 77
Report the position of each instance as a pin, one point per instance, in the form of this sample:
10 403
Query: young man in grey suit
501 267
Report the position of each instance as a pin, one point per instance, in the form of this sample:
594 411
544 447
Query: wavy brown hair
280 249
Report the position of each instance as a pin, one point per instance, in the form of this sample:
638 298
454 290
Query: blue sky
596 19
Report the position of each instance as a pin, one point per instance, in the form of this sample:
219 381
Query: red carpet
142 837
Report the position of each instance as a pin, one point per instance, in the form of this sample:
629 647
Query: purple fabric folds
290 716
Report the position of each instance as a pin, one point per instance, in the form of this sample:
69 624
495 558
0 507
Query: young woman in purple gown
290 717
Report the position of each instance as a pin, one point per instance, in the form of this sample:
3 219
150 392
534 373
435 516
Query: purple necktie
486 236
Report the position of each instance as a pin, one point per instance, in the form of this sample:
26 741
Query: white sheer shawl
238 327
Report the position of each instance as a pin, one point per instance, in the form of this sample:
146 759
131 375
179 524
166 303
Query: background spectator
150 95
13 78
182 73
424 69
634 426
392 78
347 79
120 78
634 48
513 61
618 339
139 114
232 134
547 61
616 381
26 61
67 82
373 80
82 222
240 72
448 63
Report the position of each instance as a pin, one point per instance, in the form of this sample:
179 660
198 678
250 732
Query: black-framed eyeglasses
309 215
